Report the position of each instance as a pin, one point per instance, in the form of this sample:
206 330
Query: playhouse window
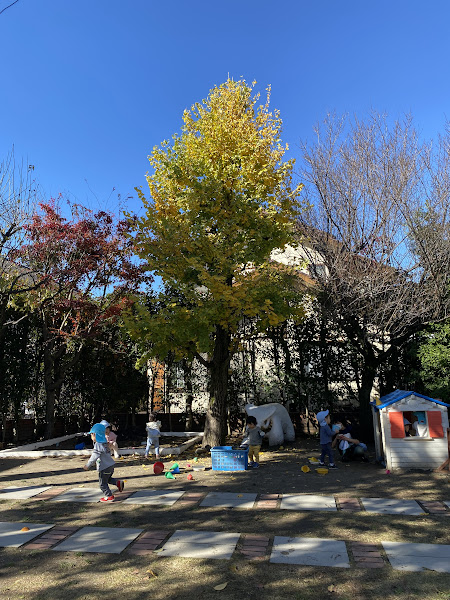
416 424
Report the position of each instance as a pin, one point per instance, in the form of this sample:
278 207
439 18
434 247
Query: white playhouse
411 431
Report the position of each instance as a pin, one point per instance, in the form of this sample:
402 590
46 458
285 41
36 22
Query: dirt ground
47 575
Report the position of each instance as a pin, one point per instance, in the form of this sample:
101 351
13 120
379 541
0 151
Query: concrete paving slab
309 551
22 493
390 506
418 557
188 550
308 502
107 540
154 497
428 550
229 500
201 544
79 495
205 537
11 535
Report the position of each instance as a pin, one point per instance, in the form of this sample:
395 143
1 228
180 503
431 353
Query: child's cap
99 431
322 414
105 423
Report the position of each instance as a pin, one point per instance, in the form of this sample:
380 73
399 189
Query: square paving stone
417 557
201 544
154 497
12 537
21 493
79 495
229 500
307 502
390 506
106 540
309 551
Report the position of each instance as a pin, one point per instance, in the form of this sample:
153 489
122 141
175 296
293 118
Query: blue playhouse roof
399 395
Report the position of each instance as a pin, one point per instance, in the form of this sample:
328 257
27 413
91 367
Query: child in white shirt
153 434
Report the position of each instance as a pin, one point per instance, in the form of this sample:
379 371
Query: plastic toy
175 468
81 446
322 471
169 475
190 477
196 459
158 468
306 469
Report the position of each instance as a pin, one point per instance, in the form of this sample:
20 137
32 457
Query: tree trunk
365 410
216 416
187 369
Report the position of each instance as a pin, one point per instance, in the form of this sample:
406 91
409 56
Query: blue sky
88 87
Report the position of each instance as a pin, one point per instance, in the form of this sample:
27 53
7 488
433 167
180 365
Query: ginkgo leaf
220 587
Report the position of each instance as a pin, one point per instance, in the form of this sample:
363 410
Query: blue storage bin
224 458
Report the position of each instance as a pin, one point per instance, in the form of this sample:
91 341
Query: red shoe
120 485
107 499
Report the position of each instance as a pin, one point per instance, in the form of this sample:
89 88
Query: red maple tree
89 272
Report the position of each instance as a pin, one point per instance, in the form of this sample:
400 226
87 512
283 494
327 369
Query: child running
153 428
104 461
326 436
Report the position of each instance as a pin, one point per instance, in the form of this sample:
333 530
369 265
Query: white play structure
276 417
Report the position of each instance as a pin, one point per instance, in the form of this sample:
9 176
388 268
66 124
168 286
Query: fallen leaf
332 588
151 573
220 587
25 529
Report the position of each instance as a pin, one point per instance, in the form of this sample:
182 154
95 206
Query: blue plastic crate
224 458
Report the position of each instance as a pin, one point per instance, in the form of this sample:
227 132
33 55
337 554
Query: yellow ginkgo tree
221 200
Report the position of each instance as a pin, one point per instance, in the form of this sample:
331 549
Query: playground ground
44 575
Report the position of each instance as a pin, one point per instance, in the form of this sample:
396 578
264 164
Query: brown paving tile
193 495
250 542
119 496
267 504
38 546
260 549
53 536
269 496
363 545
160 535
64 529
370 560
434 507
357 554
255 538
50 493
146 545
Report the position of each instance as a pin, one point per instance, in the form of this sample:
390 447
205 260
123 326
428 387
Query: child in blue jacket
326 437
104 462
